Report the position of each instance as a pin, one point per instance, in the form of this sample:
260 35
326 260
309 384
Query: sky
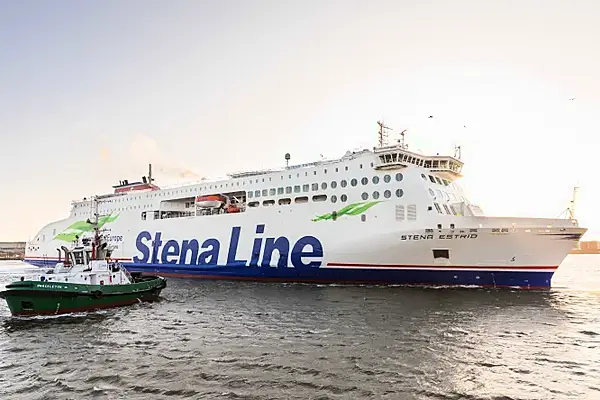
91 92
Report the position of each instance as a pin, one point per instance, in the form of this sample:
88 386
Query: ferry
386 215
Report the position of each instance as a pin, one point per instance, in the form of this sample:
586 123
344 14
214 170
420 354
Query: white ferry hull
387 216
240 247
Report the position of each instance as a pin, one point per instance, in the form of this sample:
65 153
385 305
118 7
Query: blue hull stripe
405 276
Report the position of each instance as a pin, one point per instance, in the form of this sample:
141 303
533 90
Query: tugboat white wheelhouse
387 215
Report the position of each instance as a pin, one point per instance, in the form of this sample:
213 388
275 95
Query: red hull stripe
450 267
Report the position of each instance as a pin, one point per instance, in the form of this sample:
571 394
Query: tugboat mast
94 222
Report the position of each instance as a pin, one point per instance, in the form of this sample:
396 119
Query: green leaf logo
350 209
79 227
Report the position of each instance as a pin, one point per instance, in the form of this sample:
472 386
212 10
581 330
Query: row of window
323 197
315 186
435 179
450 209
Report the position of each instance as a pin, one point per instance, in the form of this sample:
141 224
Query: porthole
364 196
399 192
343 198
399 177
387 178
387 194
375 195
333 184
353 182
375 180
324 185
364 181
333 198
343 183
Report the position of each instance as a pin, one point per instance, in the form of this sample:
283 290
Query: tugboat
86 280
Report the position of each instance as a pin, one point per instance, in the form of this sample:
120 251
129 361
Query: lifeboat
211 201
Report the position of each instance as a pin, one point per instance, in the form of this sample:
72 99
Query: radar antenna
401 140
457 152
382 133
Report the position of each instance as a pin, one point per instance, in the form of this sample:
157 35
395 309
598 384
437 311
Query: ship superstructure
381 215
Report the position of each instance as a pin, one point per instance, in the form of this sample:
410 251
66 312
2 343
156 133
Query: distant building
589 247
12 250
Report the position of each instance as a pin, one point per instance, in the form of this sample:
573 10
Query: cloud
144 149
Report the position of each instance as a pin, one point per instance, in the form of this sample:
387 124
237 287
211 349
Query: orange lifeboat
211 201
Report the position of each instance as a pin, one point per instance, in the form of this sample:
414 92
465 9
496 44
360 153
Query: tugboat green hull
32 298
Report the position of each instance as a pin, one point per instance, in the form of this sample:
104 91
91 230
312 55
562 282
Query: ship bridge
397 156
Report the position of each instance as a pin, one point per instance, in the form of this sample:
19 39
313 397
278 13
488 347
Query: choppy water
242 340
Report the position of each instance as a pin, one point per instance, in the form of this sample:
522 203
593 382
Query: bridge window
431 179
437 207
447 209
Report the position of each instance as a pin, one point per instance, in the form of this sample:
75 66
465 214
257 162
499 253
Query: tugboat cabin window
78 257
